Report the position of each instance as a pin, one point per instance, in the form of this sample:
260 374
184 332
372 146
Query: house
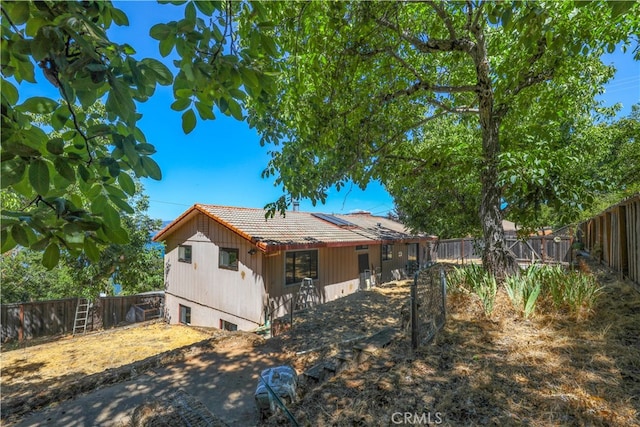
232 268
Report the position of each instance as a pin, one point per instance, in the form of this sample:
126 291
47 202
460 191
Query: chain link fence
428 303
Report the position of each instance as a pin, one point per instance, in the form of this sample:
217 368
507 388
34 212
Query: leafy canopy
75 171
365 88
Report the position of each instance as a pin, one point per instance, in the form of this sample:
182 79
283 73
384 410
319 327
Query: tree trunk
496 258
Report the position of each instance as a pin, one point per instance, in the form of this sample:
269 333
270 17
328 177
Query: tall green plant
474 278
524 289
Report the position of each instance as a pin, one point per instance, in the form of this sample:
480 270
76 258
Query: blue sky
221 161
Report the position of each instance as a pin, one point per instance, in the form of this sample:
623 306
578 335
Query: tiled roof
298 229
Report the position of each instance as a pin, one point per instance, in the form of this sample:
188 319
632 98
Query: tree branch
445 18
54 75
429 87
431 45
6 15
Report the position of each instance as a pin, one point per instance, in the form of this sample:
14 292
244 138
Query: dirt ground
70 358
550 370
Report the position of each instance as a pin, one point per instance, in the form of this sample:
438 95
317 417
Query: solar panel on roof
334 220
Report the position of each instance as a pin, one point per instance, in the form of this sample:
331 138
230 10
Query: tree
362 82
356 81
24 278
95 156
136 266
435 182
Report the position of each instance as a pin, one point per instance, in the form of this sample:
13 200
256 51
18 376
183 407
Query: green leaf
110 216
20 235
152 168
127 184
9 92
17 11
39 176
99 204
7 241
160 31
122 204
55 146
38 105
206 7
63 167
205 111
188 121
59 117
145 148
12 171
161 71
117 235
119 17
181 104
91 250
51 256
620 7
235 108
190 12
166 46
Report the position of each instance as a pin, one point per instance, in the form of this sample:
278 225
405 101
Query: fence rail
29 320
545 249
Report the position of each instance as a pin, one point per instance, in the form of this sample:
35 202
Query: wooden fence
613 237
28 320
545 249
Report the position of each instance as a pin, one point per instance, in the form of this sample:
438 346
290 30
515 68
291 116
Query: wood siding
213 293
613 237
244 297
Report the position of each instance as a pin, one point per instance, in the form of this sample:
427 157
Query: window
299 265
362 247
184 253
185 314
228 326
387 252
412 252
228 259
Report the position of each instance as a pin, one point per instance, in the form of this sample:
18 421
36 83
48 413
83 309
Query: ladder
82 316
307 294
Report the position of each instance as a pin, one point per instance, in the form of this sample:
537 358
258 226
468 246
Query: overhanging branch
431 45
429 87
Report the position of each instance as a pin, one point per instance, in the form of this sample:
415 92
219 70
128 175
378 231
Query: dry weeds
552 370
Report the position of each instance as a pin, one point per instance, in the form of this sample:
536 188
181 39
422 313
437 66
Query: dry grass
70 358
551 370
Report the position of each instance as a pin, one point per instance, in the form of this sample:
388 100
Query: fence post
443 283
21 328
414 311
